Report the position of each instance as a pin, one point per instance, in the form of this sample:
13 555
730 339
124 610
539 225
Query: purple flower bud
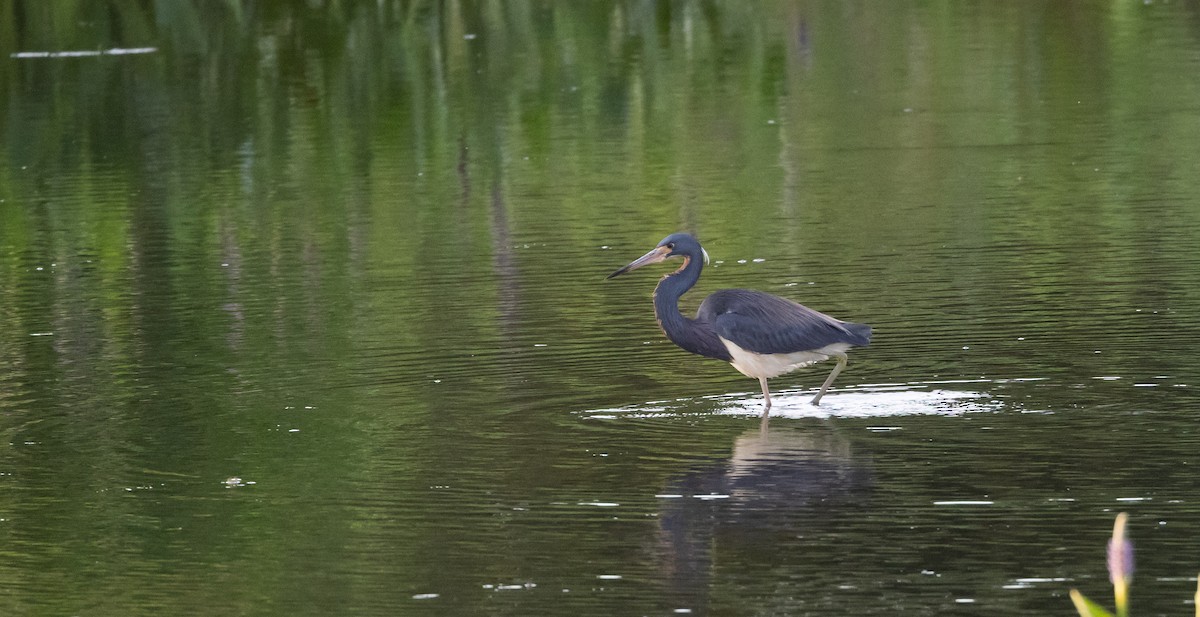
1120 554
1120 561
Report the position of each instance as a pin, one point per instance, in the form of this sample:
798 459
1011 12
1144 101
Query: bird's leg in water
841 364
767 394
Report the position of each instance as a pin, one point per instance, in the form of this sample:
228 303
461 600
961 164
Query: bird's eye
671 245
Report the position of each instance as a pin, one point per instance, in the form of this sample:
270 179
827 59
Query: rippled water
303 310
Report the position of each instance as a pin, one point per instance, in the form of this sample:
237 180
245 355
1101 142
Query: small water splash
876 401
871 404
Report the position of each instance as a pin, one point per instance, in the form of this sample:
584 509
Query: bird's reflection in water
780 483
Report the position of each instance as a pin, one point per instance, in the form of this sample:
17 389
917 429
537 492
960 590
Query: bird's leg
767 393
841 364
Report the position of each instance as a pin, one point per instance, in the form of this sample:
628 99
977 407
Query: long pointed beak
653 257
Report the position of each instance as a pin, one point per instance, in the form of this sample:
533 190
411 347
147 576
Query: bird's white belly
770 365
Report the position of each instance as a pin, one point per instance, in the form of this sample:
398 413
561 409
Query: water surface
303 310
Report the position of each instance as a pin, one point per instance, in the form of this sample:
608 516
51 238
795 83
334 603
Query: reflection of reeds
1120 573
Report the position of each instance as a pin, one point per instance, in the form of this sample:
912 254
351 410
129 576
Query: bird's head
674 245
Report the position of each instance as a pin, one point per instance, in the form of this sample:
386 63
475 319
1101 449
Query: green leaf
1086 607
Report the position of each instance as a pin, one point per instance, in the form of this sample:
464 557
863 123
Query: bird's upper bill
658 254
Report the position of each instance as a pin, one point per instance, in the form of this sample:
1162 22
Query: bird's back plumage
767 324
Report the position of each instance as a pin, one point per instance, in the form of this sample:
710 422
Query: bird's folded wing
764 323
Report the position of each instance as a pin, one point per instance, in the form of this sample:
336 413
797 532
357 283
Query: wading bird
761 335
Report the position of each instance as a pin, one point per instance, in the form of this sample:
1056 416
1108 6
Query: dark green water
302 311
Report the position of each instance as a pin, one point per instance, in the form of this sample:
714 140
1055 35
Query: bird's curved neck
668 292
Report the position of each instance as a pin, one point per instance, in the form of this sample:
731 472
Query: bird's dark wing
763 323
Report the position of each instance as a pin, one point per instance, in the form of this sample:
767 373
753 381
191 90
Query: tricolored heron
761 335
